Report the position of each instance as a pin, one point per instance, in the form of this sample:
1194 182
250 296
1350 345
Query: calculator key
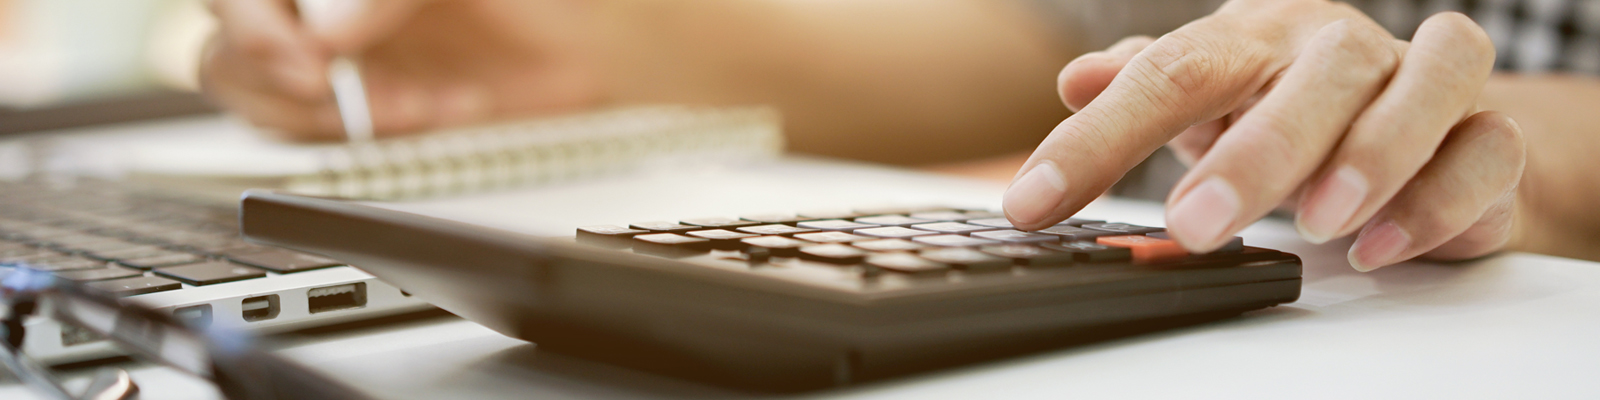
1072 233
892 220
136 285
993 223
831 237
893 232
952 241
1091 252
1029 255
776 230
670 244
1015 236
901 209
284 261
210 273
98 274
967 259
889 245
722 238
1233 246
778 246
774 218
664 227
833 254
909 264
834 225
1121 228
1080 222
951 227
718 222
828 214
610 231
163 260
952 216
1146 249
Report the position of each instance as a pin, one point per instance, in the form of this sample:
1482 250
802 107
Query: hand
1304 102
425 63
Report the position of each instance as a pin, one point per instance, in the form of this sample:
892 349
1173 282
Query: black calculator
790 301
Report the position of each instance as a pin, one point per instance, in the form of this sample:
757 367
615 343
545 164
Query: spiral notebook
472 159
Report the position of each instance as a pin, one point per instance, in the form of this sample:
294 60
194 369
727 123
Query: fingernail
1332 204
328 16
1379 246
1199 220
1033 196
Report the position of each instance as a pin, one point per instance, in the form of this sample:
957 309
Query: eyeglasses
226 358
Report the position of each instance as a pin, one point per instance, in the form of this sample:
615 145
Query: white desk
1511 326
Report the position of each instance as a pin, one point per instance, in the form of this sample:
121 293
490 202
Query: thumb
347 26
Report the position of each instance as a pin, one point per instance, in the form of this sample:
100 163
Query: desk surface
1510 326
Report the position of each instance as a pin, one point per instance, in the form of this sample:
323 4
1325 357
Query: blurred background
112 59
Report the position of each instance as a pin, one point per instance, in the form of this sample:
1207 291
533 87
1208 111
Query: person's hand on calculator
1305 104
425 63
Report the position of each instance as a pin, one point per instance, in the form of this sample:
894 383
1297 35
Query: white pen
349 93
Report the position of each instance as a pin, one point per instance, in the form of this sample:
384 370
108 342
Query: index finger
1182 79
283 55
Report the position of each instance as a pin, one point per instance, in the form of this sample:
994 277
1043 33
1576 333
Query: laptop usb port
335 298
260 308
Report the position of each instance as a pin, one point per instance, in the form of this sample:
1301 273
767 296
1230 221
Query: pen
349 93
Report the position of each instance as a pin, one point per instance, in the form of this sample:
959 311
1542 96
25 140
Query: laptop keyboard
911 244
130 241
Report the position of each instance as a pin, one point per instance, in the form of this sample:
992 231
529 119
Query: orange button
1146 249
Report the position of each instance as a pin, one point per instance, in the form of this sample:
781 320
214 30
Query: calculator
788 301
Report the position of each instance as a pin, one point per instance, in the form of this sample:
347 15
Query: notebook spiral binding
488 158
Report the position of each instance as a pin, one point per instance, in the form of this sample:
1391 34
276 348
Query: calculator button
1121 228
1146 249
1073 233
993 223
775 229
610 231
893 232
722 238
952 241
951 227
906 263
673 240
773 218
210 273
1029 255
100 274
831 237
1015 236
889 245
1091 252
952 216
833 254
718 222
778 246
136 285
664 227
892 220
902 210
834 225
828 214
967 259
1233 246
284 261
1080 222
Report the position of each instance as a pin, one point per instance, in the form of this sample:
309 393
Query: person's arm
904 81
1556 204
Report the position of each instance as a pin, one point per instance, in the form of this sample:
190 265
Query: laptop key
210 273
136 285
65 263
284 261
100 274
163 260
